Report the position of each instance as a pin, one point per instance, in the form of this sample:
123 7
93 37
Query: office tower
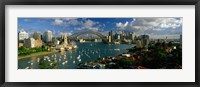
118 36
109 39
29 43
47 36
111 35
64 38
145 40
131 36
138 44
37 36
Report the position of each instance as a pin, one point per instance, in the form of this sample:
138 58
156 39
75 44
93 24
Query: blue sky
155 27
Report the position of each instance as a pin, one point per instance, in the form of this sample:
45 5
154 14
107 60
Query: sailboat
79 60
74 61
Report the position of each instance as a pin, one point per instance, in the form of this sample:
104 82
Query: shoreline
36 54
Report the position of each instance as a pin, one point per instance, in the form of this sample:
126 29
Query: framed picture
104 43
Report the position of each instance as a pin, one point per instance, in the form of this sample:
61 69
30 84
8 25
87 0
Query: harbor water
87 51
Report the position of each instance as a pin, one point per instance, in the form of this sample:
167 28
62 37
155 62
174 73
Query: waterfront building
37 36
138 44
123 35
47 36
118 36
64 38
81 40
109 39
115 36
131 36
38 43
56 42
111 35
97 40
29 43
23 35
144 40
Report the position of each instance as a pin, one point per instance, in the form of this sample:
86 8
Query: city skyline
154 27
100 43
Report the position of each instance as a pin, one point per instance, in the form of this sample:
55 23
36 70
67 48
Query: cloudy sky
155 27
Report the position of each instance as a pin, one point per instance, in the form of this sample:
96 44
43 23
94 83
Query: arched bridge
74 36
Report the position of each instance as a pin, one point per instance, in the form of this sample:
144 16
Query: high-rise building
109 39
145 40
131 36
138 44
47 36
111 35
64 38
123 35
37 36
118 36
29 43
23 35
56 42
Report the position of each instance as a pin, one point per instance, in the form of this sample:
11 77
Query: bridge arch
74 36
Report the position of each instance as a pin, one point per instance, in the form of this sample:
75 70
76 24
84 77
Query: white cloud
65 22
94 28
58 22
157 23
121 25
126 24
78 25
155 26
152 25
89 24
72 22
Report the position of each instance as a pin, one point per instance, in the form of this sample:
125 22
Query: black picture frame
98 2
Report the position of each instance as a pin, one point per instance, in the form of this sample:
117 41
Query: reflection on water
88 51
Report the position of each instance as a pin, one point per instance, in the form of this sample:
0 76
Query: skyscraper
118 36
29 43
145 40
131 36
111 35
37 36
64 38
23 35
47 36
138 44
109 39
